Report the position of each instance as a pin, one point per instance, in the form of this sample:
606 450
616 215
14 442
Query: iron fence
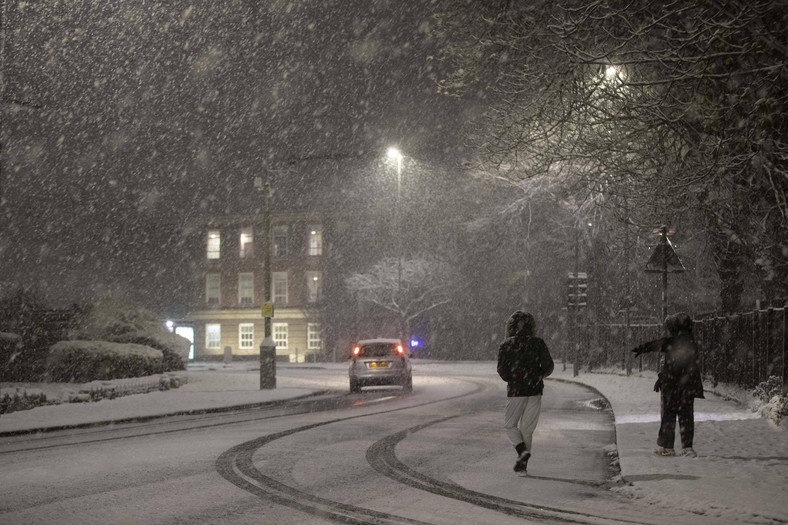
744 349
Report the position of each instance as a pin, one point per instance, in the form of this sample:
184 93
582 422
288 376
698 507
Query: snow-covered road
438 455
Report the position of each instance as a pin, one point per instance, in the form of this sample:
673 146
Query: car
380 362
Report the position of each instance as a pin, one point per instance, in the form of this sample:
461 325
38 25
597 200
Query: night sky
124 121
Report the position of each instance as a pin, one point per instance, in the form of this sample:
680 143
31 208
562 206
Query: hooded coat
680 373
523 358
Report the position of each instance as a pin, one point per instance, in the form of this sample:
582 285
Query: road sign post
664 260
577 285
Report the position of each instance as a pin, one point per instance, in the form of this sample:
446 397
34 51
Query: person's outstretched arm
652 346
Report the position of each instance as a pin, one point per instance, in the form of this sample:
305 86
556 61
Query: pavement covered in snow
741 473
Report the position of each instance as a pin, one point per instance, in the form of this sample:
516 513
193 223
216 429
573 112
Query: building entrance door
188 333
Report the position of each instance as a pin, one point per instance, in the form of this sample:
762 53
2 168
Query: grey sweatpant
522 414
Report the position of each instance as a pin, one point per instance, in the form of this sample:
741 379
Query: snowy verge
742 469
26 396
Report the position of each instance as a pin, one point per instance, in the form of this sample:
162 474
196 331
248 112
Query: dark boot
521 465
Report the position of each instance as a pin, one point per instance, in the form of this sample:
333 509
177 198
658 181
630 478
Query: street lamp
268 346
394 153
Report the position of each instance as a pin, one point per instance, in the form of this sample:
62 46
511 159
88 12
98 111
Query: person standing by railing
679 383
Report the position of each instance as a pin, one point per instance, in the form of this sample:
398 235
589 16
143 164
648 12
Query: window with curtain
246 288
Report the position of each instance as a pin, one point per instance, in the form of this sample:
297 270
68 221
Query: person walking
678 383
523 362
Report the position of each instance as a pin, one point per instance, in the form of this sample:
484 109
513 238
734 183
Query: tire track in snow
381 456
237 467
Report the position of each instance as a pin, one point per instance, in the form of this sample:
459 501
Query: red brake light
356 350
400 350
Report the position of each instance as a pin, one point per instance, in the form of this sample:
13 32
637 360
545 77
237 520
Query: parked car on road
380 362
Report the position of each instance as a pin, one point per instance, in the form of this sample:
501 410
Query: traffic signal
578 286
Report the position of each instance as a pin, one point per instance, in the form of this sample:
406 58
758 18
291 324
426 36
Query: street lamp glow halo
394 153
614 74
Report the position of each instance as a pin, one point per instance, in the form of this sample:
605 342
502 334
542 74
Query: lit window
313 287
246 336
245 288
280 288
214 244
280 335
213 336
315 246
280 241
313 336
213 286
246 241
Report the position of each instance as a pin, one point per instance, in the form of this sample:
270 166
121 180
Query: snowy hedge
120 322
83 361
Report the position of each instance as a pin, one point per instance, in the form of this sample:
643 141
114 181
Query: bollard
228 355
267 364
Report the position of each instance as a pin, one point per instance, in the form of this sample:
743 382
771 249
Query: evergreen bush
84 361
117 321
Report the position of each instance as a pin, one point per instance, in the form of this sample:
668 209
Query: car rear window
378 350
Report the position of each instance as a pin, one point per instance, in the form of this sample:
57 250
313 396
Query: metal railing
744 349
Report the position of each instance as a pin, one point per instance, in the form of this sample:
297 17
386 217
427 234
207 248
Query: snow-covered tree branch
677 108
424 286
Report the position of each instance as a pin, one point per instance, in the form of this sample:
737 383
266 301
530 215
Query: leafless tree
675 108
424 286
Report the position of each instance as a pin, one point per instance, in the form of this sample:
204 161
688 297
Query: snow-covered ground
740 475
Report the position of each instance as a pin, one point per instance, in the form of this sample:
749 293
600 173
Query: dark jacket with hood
680 373
523 358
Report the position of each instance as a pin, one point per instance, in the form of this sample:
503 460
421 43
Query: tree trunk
730 271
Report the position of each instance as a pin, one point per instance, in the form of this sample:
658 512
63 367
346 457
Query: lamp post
394 153
268 346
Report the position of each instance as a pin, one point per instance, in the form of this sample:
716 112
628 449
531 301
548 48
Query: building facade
229 288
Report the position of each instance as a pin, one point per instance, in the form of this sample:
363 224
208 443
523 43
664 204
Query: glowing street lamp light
395 154
614 75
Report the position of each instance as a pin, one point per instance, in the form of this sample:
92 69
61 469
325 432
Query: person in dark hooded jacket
523 362
679 383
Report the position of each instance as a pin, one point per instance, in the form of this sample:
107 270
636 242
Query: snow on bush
82 361
24 396
770 402
120 322
11 401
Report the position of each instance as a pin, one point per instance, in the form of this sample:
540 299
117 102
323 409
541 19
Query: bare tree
677 108
423 286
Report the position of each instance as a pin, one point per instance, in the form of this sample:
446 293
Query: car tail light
356 350
400 350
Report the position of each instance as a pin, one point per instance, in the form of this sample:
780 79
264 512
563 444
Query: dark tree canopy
673 111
